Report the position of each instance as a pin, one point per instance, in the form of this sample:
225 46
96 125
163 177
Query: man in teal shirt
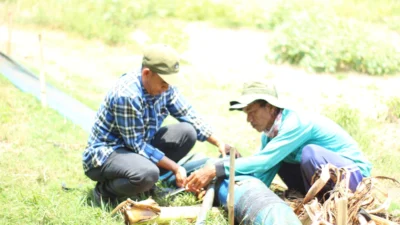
293 144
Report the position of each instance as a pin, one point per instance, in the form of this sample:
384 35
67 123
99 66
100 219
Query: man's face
153 83
259 117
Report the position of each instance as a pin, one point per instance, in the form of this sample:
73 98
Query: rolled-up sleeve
184 112
129 122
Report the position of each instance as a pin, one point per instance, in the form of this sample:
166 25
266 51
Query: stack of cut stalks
368 205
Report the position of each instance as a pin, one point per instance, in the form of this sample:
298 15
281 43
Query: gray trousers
126 173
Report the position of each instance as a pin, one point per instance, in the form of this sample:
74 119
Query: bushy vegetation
318 39
114 20
350 120
385 12
336 35
368 134
393 109
40 151
322 36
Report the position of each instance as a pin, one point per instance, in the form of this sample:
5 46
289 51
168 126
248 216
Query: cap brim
237 106
242 102
245 100
174 79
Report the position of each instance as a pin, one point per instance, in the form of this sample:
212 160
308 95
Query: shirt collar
273 131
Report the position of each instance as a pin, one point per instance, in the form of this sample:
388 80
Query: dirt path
238 55
220 60
220 55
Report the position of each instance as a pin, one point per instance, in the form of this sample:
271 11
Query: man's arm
291 136
184 112
201 178
222 146
179 171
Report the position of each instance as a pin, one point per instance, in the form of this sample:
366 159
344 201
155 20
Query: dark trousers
298 176
126 173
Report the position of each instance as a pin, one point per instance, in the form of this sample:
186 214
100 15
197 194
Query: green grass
349 119
84 89
393 114
352 30
114 21
348 44
383 12
39 151
367 133
118 17
394 207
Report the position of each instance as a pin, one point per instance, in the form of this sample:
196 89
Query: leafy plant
393 109
114 20
320 41
41 150
349 119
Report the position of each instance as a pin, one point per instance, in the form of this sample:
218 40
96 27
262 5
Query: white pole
43 94
9 42
231 198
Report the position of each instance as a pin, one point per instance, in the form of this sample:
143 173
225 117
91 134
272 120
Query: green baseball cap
256 90
163 60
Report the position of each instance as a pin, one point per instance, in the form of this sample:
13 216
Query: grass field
351 29
40 150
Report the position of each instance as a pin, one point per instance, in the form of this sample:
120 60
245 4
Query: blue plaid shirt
129 117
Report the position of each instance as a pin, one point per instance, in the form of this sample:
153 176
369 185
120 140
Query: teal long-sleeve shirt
296 131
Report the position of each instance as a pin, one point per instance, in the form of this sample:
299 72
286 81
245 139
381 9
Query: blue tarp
64 104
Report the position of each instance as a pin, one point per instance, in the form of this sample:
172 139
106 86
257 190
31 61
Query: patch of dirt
218 56
65 55
224 55
5 146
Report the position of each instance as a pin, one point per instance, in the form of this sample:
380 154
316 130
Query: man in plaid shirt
127 148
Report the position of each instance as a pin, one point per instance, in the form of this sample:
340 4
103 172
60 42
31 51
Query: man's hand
200 178
222 147
179 171
230 148
225 149
180 175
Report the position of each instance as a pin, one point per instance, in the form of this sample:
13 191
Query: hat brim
245 100
174 79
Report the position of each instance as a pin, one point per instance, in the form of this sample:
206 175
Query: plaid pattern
129 117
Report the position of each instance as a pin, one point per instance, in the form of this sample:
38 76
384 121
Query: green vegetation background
40 150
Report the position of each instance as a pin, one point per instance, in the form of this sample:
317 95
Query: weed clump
349 119
320 41
393 114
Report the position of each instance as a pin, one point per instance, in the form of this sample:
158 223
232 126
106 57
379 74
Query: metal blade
177 191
